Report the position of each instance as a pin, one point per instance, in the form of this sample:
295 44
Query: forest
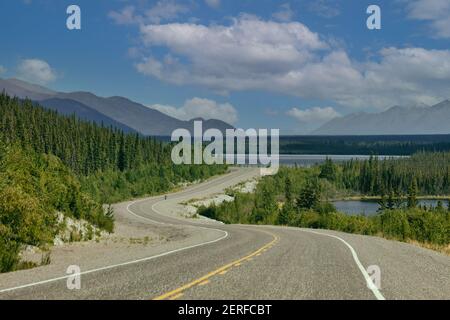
301 197
51 163
364 145
428 172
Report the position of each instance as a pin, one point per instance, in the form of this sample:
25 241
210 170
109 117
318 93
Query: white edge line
124 263
369 281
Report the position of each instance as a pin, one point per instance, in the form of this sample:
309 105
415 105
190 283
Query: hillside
50 164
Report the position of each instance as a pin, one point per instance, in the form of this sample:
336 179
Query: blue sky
265 64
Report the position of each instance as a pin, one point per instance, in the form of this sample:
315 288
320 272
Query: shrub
9 254
394 224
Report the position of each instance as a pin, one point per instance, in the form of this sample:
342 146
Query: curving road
216 261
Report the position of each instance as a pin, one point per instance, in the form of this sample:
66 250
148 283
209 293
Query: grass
444 249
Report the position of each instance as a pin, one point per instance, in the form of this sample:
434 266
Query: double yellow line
222 270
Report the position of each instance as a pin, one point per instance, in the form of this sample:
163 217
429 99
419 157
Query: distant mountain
22 89
83 112
117 111
396 120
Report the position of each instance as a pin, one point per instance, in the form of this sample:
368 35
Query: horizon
283 133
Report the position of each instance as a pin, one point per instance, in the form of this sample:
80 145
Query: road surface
217 261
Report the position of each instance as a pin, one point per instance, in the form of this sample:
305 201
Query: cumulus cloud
35 70
239 56
200 108
213 3
254 54
315 115
437 12
285 13
163 10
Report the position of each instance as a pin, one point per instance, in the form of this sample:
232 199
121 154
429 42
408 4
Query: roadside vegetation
53 164
300 197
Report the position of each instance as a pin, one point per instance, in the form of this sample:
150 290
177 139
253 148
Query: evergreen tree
390 204
285 216
328 170
309 196
440 206
383 202
412 194
288 190
122 157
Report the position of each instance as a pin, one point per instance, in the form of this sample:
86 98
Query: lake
370 208
307 160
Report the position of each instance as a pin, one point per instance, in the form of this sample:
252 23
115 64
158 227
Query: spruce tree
309 196
412 194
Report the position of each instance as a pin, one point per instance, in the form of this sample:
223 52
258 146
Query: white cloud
289 58
125 16
200 108
437 12
239 56
285 13
315 115
407 76
35 70
163 10
2 69
324 8
213 3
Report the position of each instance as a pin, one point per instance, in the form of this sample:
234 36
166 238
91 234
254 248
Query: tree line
83 146
428 172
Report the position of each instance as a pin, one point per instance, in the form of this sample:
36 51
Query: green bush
9 254
32 189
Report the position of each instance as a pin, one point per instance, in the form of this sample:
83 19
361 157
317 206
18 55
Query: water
370 208
307 160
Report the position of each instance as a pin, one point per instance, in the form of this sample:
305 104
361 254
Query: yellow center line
175 297
203 283
176 292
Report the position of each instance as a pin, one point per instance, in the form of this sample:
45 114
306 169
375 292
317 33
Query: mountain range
115 111
131 116
394 121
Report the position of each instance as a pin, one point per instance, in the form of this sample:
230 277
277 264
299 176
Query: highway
210 260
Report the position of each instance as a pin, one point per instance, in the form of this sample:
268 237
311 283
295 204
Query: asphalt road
252 262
